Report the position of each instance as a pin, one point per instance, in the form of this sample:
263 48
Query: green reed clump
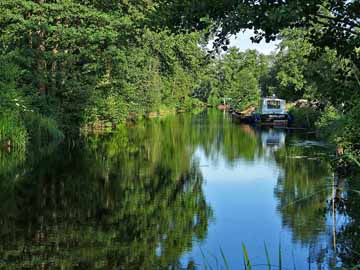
18 130
246 260
248 265
13 133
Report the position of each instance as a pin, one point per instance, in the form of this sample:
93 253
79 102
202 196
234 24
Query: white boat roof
272 98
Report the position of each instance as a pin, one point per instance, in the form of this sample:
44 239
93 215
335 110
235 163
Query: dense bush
350 134
305 117
330 124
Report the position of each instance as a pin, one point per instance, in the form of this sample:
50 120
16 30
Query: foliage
288 79
214 100
304 117
329 121
12 105
350 132
237 79
240 75
319 53
75 63
327 80
332 24
244 91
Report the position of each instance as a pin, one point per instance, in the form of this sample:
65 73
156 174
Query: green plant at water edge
350 134
280 257
268 262
246 260
224 259
330 122
247 264
13 133
188 104
304 117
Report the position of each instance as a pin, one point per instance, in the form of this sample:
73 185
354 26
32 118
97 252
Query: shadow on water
135 199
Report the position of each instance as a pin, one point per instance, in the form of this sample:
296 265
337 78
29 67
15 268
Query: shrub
190 103
350 134
330 123
214 101
304 117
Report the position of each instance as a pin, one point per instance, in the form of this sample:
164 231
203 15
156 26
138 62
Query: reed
248 265
13 134
267 257
246 260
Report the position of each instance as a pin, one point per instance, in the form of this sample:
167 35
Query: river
187 191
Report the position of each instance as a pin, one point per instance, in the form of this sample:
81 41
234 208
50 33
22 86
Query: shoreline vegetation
74 66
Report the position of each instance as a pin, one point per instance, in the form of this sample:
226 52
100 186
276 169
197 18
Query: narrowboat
272 111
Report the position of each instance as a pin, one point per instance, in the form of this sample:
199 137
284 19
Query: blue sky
243 42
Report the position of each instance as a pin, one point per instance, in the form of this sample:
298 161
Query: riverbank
132 118
17 131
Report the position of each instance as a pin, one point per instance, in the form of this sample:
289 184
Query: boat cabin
272 111
272 105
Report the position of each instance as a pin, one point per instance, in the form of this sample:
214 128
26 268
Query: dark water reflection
165 193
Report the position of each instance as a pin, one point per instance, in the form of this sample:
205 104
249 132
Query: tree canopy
333 24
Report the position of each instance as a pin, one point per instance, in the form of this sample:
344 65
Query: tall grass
247 263
267 257
17 131
13 130
246 260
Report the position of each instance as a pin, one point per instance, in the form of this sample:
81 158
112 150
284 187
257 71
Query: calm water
170 193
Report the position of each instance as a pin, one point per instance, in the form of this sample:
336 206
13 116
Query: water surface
170 193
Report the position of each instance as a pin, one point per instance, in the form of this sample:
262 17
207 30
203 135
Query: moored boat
272 111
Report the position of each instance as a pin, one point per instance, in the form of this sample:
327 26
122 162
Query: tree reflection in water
348 235
134 199
129 201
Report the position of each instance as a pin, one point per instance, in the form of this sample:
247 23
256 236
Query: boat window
273 104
